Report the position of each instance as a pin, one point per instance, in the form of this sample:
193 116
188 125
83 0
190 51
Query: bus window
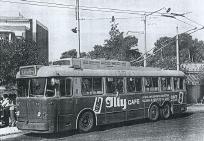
176 83
181 83
151 84
97 86
37 87
134 84
65 87
114 85
22 85
92 85
86 86
166 84
52 85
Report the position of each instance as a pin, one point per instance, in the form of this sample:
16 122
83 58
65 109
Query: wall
42 42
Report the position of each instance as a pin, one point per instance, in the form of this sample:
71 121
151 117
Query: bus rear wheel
86 122
166 111
154 113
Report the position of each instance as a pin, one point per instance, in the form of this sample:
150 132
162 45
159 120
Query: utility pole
145 40
177 50
78 27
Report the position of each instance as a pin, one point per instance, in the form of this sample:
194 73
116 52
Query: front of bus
36 101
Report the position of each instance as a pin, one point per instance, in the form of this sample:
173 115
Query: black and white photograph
101 70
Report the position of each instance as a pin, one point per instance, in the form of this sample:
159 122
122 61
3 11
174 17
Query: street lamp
145 32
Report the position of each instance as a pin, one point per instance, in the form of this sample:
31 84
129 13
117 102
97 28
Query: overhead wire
85 8
33 4
99 9
170 41
92 7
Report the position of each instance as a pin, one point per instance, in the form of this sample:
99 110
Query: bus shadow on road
52 135
103 127
138 122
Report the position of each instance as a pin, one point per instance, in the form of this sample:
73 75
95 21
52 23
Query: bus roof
63 70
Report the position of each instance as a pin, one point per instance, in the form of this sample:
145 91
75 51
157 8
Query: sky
96 24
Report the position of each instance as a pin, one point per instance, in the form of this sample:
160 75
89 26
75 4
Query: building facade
195 81
12 28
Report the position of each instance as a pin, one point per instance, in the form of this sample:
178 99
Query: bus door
65 105
115 101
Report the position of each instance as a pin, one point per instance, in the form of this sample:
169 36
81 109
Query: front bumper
41 127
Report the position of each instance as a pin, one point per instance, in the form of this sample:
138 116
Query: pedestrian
1 109
6 105
12 110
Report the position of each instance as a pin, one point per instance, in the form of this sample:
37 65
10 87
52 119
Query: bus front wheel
166 111
154 113
86 121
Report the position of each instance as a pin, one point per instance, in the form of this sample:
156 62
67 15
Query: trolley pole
145 32
177 50
78 27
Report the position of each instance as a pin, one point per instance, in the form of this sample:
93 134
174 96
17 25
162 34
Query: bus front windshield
36 87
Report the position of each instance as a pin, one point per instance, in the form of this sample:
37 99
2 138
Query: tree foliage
117 46
15 54
69 54
164 54
72 54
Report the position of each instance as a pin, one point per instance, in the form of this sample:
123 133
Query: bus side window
97 85
138 83
131 84
86 87
166 84
119 85
65 87
134 84
114 85
110 85
176 83
151 84
181 83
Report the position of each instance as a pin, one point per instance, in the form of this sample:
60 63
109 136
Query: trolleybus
83 94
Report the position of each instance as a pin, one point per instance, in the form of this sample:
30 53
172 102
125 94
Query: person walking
6 105
12 110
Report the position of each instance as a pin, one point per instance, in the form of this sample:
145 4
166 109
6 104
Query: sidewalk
196 108
8 131
13 130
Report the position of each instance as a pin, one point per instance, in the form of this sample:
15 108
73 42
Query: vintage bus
86 93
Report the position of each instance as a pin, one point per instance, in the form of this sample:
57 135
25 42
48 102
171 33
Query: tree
117 46
190 50
72 54
15 54
69 54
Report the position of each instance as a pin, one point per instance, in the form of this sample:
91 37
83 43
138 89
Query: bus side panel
93 103
135 108
52 114
179 102
65 116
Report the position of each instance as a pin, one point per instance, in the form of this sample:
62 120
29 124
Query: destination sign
31 70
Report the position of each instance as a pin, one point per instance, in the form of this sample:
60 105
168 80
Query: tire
166 111
154 113
86 122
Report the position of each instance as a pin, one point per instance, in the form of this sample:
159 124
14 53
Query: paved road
189 127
